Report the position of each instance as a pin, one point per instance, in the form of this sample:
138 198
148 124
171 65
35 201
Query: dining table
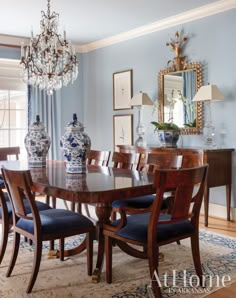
99 186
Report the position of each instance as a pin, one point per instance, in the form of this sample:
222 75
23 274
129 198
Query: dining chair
193 158
154 161
6 218
5 208
5 204
124 160
41 225
5 154
151 229
98 158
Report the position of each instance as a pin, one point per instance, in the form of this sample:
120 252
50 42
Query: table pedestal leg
103 212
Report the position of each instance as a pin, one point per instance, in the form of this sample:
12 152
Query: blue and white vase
37 143
75 145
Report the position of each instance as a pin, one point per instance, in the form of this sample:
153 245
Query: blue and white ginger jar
75 145
37 143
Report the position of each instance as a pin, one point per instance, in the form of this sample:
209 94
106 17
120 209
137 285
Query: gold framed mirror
177 85
176 90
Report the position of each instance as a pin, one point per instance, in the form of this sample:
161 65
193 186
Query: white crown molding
13 40
188 16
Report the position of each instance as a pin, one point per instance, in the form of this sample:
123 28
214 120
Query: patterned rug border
207 236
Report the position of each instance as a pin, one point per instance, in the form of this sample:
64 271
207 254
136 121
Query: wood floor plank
229 229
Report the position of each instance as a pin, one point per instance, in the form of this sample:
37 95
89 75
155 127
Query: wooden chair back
98 158
5 152
126 160
191 159
19 184
163 161
183 181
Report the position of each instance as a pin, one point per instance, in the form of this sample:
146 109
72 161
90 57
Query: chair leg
5 229
196 256
47 200
54 202
87 210
108 252
153 259
51 245
62 248
89 244
16 245
36 265
72 206
79 208
156 289
113 216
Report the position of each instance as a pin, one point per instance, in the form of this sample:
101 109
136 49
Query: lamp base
140 142
209 135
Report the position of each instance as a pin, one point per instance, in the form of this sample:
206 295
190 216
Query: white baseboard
214 210
219 211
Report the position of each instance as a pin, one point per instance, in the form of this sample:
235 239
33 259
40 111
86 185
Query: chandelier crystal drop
48 61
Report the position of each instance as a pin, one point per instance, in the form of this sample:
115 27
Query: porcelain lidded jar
75 145
37 143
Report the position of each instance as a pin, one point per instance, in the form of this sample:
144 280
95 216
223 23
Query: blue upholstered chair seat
2 185
138 202
40 206
137 227
56 221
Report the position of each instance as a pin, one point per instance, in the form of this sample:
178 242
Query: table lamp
139 100
208 94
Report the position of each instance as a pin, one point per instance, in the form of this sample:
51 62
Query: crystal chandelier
48 61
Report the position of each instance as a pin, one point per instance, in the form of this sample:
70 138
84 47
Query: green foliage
191 124
165 126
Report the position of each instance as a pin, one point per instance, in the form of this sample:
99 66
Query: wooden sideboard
220 168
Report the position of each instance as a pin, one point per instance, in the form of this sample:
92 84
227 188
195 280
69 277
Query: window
13 106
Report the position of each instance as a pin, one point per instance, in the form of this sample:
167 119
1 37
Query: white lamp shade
207 93
141 99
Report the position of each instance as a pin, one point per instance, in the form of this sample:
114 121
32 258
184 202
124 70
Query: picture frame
122 130
122 89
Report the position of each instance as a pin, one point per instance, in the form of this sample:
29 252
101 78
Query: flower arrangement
165 126
168 133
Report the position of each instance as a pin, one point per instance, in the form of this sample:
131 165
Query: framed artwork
122 89
122 130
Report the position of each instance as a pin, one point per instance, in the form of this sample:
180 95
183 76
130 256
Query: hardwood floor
229 229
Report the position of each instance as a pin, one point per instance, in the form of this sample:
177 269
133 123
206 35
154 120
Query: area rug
130 276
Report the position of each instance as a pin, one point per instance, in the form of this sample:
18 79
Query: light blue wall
212 42
9 53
